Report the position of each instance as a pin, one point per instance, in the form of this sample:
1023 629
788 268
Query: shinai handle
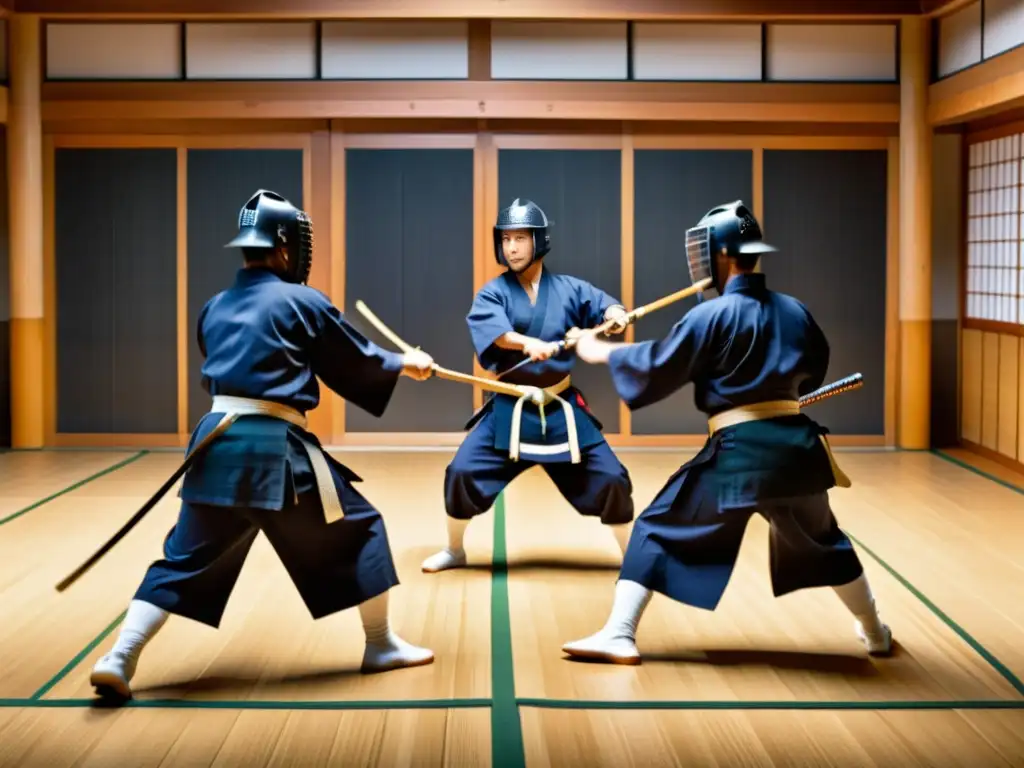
853 381
441 373
631 317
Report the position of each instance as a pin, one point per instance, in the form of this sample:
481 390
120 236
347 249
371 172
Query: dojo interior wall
138 233
403 208
979 212
992 299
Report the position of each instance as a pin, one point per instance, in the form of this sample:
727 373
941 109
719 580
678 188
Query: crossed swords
855 381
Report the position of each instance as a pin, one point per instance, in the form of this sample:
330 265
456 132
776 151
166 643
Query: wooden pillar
915 263
25 196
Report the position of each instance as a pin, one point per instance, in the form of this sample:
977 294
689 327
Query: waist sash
540 398
243 406
772 409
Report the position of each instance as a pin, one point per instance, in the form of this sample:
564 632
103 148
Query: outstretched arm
596 307
650 371
356 368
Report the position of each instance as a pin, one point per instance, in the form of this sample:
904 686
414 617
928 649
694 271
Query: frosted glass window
251 50
115 51
960 39
1004 26
995 231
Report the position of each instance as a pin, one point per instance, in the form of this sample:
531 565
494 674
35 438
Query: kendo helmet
269 221
730 229
523 214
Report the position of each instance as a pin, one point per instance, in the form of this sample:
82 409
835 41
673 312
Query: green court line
74 486
777 705
970 468
506 728
333 704
978 648
507 749
1003 670
79 658
571 704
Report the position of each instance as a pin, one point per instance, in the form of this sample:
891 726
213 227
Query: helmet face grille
305 230
698 253
304 257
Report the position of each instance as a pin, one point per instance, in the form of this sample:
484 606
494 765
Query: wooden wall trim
3 104
650 10
991 86
760 142
513 90
486 186
484 163
809 131
49 293
998 131
990 326
892 291
996 456
184 336
337 257
480 49
627 275
863 104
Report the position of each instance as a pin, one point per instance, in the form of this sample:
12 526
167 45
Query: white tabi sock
384 649
141 623
631 600
115 670
622 533
454 555
616 641
856 596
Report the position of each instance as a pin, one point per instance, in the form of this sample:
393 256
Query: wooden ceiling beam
653 10
541 100
982 90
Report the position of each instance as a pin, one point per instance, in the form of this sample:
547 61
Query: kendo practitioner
527 310
751 353
265 341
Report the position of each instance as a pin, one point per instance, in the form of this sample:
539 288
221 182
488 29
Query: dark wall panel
581 193
219 183
115 250
5 305
409 256
826 212
673 189
947 277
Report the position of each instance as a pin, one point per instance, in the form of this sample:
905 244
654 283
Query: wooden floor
759 682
